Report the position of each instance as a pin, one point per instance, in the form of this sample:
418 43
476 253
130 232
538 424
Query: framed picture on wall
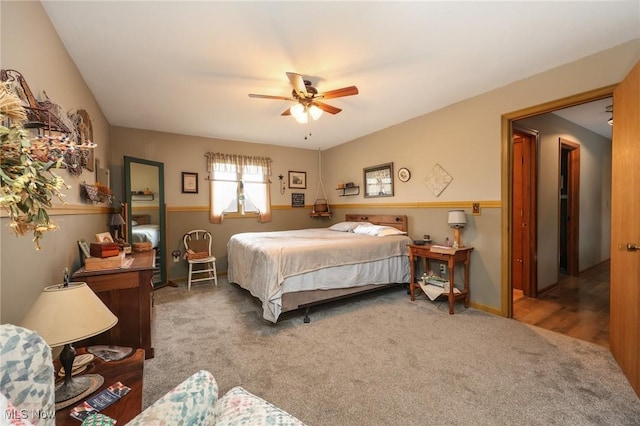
378 181
298 180
297 199
189 183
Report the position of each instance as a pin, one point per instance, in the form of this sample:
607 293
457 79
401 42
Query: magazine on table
99 401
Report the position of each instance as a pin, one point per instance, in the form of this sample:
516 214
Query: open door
625 228
524 215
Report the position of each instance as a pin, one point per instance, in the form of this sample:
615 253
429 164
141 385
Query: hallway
577 307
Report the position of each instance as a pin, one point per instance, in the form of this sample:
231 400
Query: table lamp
457 220
67 313
116 221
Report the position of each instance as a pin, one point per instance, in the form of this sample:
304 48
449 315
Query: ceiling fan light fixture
299 113
610 111
315 112
306 99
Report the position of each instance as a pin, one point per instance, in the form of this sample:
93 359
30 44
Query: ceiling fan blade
284 98
298 84
338 93
286 112
327 108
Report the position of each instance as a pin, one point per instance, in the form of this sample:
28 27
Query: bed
143 231
290 270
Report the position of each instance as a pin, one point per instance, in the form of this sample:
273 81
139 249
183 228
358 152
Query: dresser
127 292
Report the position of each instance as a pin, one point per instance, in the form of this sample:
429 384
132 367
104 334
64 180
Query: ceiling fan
308 99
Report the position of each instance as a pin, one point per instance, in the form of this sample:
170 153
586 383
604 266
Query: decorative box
140 247
104 249
99 264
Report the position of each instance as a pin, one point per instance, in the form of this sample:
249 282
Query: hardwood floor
577 307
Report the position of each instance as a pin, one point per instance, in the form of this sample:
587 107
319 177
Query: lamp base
68 393
456 237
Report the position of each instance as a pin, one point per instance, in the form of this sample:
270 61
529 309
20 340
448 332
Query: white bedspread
261 261
146 233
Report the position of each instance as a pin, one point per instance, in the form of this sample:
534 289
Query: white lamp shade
64 315
457 219
315 112
299 113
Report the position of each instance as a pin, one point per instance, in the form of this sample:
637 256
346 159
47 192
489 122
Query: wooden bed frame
142 219
308 299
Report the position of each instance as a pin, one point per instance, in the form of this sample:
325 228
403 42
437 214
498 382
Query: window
238 184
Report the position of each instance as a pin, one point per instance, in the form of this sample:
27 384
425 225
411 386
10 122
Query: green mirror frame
128 161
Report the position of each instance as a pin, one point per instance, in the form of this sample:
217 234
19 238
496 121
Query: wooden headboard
142 219
397 221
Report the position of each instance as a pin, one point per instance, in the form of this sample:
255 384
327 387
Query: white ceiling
188 67
591 115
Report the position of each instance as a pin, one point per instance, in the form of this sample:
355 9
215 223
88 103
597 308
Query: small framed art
298 180
189 183
104 237
378 181
297 199
84 246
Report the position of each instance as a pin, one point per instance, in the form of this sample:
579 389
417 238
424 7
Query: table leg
467 262
452 299
413 276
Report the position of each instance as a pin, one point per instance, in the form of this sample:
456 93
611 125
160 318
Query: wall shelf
142 197
323 214
349 191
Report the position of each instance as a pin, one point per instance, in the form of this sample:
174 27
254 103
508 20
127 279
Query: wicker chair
197 244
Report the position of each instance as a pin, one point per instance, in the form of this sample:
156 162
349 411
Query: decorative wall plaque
297 199
438 180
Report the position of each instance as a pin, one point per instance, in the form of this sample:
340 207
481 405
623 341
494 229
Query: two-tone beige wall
30 45
466 140
180 153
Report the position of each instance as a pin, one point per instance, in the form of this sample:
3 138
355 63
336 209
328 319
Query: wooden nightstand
129 371
463 254
127 292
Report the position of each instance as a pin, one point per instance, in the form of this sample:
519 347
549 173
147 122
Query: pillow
134 223
347 226
390 230
377 230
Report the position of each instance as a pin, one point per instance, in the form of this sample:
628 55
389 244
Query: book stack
436 280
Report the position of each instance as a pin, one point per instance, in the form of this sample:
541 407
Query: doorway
569 208
547 179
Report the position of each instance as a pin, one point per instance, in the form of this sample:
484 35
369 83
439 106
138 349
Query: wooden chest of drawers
127 292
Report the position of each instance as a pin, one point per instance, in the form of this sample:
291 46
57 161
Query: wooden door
625 228
523 265
568 244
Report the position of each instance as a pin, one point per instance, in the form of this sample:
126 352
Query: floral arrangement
27 178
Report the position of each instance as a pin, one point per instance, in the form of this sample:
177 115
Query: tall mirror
144 188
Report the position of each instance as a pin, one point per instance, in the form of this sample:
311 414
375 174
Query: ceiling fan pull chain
320 184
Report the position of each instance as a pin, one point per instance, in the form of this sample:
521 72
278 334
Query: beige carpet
384 360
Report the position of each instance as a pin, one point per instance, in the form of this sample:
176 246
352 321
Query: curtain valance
219 162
